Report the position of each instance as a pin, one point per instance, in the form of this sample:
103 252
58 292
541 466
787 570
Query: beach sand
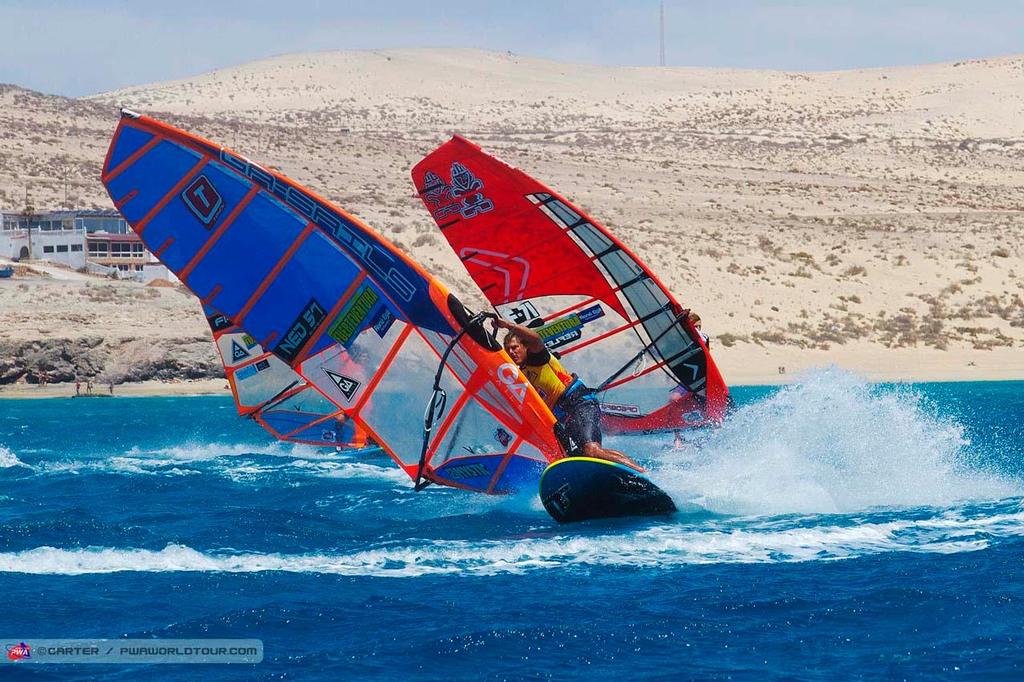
133 390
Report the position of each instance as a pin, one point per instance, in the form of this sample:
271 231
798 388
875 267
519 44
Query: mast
661 35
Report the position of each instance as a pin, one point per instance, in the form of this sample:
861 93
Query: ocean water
830 529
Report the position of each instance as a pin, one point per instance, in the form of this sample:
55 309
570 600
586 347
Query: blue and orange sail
335 302
543 262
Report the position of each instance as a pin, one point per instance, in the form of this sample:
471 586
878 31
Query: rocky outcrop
98 358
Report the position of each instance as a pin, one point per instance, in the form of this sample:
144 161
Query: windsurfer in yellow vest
572 403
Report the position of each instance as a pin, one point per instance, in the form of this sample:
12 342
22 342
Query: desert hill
846 212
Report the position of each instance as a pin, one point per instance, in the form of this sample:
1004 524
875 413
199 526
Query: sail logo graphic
352 318
237 352
503 437
19 652
508 374
461 195
300 331
203 200
434 188
347 385
462 471
514 270
219 322
463 180
568 329
613 408
524 313
382 323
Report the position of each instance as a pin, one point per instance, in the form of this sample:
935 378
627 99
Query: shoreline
744 365
140 389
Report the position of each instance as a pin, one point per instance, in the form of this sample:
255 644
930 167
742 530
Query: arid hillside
810 217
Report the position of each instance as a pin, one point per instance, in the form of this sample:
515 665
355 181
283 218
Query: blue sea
830 529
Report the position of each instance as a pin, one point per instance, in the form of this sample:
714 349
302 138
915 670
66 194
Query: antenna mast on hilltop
661 34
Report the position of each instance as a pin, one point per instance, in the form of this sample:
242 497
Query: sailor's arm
530 337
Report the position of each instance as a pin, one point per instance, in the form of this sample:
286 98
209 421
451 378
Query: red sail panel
542 261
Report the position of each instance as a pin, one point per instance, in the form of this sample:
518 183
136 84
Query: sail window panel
674 346
259 238
258 382
190 234
563 214
458 360
396 409
594 362
475 431
657 327
151 177
641 393
333 431
593 238
643 299
298 411
370 350
621 268
490 395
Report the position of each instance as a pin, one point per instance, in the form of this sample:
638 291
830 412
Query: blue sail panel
179 231
151 178
129 141
246 252
317 271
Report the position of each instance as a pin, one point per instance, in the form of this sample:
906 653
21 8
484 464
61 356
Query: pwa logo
509 375
19 652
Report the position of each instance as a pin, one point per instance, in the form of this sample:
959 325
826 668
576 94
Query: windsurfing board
582 488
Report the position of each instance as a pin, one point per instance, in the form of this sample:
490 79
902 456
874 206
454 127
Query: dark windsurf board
581 488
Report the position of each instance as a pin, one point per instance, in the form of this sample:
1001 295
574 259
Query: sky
82 47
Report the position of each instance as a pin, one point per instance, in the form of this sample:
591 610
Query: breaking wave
832 444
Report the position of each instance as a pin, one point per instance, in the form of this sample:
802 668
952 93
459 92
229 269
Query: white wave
193 452
237 461
755 541
8 459
349 469
831 444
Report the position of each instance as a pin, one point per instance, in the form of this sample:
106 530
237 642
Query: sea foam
719 542
831 443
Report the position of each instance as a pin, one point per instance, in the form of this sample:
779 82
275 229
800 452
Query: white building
46 236
99 241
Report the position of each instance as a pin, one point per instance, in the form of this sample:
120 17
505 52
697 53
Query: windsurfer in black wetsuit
680 398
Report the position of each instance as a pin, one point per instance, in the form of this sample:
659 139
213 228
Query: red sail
542 261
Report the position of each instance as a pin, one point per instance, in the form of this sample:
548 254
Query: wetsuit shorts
579 415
